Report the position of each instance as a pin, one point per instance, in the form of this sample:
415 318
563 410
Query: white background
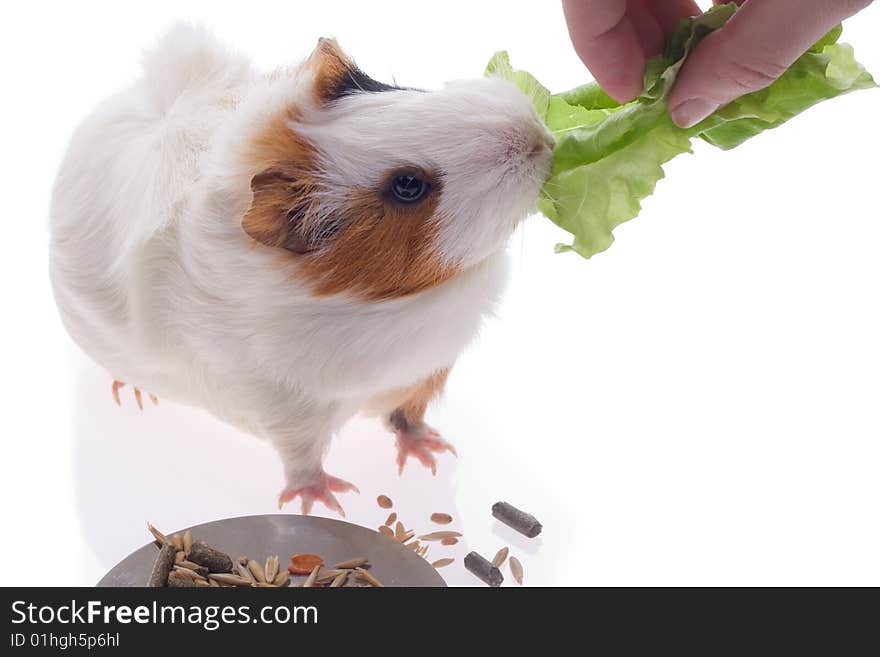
698 405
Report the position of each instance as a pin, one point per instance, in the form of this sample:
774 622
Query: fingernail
692 111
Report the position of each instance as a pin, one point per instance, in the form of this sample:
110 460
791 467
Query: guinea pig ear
336 74
277 214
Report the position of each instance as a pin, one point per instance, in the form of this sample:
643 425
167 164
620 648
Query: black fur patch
355 81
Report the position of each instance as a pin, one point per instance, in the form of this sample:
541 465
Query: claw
321 491
116 386
137 397
422 442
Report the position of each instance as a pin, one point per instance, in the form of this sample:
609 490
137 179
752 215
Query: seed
243 560
228 578
387 531
500 557
415 546
351 563
202 582
391 518
339 580
384 501
257 571
442 562
180 556
328 575
196 568
244 571
483 569
176 580
282 578
516 570
310 580
399 530
189 572
441 518
178 542
406 537
439 536
369 577
161 539
423 551
450 540
187 540
271 568
521 521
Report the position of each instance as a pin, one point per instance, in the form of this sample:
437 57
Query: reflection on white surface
177 466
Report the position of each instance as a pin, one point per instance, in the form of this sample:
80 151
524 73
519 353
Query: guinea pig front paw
422 442
320 490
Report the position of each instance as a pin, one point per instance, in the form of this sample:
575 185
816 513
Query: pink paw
422 442
322 491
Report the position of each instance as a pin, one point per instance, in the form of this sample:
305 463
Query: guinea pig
288 249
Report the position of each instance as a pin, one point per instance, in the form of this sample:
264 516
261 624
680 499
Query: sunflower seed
500 557
439 536
257 571
271 570
442 562
228 578
282 578
441 518
161 539
369 577
516 570
310 580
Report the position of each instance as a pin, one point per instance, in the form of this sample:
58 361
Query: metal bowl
287 534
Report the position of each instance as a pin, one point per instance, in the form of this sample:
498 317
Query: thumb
754 48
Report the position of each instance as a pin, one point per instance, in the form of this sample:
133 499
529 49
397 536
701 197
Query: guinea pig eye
408 188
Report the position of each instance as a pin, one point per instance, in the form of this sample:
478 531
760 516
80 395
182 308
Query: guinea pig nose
541 145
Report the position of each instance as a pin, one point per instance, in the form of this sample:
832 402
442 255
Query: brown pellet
483 569
214 560
387 531
162 566
179 580
516 570
521 521
391 518
441 518
449 540
384 501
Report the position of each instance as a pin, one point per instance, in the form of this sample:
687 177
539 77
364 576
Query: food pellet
391 518
449 540
441 518
214 560
384 501
483 569
162 566
521 521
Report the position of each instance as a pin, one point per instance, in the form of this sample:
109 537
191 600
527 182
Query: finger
669 12
754 48
648 32
605 40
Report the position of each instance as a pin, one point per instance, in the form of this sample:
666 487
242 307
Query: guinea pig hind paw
321 491
421 442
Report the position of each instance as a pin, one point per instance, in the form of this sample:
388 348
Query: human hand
614 38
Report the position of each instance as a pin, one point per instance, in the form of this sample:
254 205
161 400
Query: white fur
156 280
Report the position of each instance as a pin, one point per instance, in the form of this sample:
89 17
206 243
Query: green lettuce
608 156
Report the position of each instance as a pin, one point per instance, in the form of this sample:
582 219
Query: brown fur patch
415 400
331 64
373 247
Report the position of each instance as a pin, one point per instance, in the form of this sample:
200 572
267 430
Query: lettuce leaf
608 156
